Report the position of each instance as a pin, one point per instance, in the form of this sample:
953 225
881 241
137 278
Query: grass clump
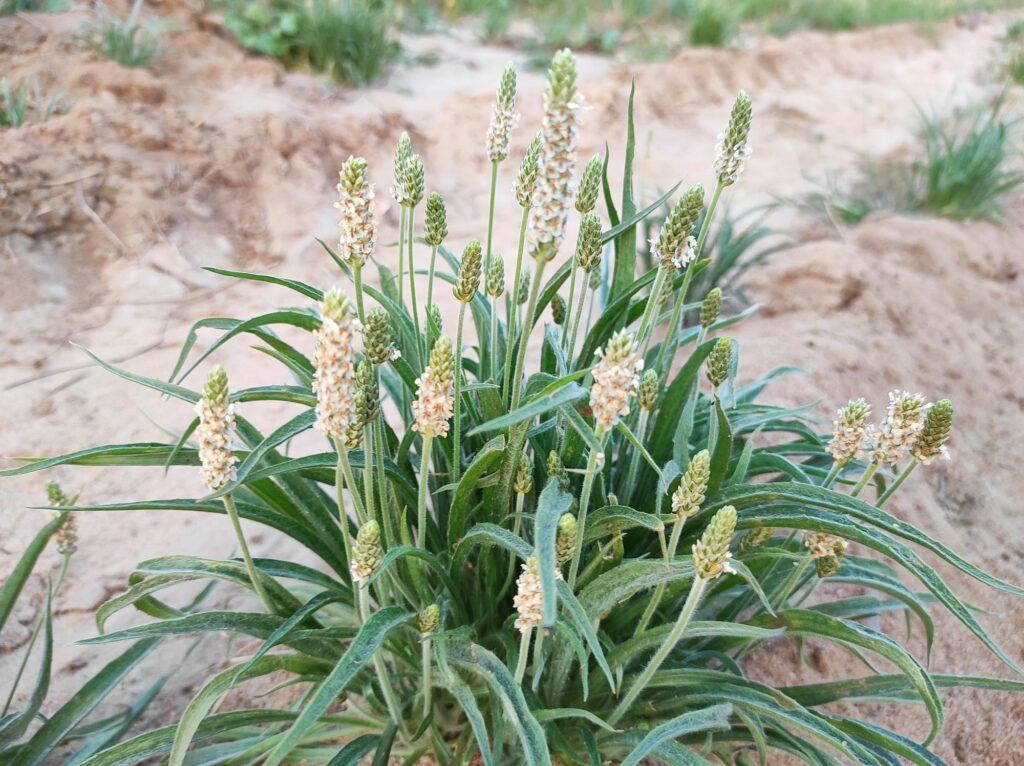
27 103
712 23
126 41
11 7
529 557
348 39
963 169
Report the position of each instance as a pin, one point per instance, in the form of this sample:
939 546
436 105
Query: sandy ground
216 158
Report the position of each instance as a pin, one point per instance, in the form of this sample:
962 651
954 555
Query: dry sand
217 158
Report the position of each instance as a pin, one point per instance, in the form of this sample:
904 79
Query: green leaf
83 702
557 714
359 652
504 686
852 634
652 638
722 451
140 454
714 717
355 751
292 284
551 504
581 427
625 241
800 494
889 742
486 460
466 699
151 743
569 393
15 727
887 688
615 518
631 576
170 389
583 624
493 535
204 700
14 583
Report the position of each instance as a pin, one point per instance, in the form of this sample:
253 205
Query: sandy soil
217 158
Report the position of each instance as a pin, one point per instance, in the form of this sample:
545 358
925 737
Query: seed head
503 117
430 619
67 533
529 601
334 359
827 550
468 281
675 247
558 310
719 361
849 431
433 405
590 184
711 553
434 313
588 244
526 182
550 202
523 288
556 470
378 337
732 151
689 494
710 307
904 421
647 396
367 552
755 538
496 276
932 441
435 226
594 281
403 153
565 540
367 394
524 476
55 494
616 379
215 431
358 237
353 435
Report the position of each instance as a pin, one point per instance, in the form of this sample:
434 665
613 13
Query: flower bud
216 430
367 552
430 619
732 151
496 276
689 494
711 553
719 361
558 310
378 337
565 540
937 425
435 226
647 395
590 184
468 281
710 307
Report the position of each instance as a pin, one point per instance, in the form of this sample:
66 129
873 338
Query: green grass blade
552 503
83 702
14 583
360 651
714 717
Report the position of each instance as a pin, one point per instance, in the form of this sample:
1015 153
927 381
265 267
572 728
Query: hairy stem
897 482
401 256
581 521
430 277
524 336
864 480
524 653
576 326
647 321
512 305
257 584
659 591
692 600
425 661
383 677
424 490
350 481
457 427
412 279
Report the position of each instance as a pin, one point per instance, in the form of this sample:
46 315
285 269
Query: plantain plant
561 556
